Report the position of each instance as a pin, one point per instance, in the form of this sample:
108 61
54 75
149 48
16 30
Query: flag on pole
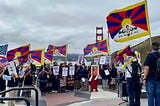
127 51
23 59
48 57
129 23
119 58
3 50
96 49
58 50
18 52
37 57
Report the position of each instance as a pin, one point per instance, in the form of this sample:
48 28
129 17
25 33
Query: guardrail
21 98
16 98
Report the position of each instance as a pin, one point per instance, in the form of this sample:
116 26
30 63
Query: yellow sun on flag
94 49
56 51
126 21
17 54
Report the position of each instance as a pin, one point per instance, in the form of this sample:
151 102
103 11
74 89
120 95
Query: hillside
143 47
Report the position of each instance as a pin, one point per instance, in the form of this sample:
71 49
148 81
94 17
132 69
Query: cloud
59 22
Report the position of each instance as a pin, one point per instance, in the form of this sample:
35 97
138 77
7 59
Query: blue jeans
153 92
134 91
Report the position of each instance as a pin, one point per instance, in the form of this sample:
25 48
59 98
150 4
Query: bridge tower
99 34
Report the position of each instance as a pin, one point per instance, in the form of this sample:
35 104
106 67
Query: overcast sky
59 22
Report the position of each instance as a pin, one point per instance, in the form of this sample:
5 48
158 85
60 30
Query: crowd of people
80 80
45 77
65 77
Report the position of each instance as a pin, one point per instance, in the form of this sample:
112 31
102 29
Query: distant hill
144 47
70 57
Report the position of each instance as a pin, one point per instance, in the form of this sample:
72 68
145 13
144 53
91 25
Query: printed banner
55 70
97 49
129 23
71 70
64 71
102 60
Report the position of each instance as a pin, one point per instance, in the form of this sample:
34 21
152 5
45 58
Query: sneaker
53 91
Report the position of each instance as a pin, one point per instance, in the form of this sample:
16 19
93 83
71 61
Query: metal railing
16 98
21 98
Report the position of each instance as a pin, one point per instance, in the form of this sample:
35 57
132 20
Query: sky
59 22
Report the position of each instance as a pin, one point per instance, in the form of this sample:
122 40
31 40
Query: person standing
149 80
2 84
55 77
42 80
28 82
94 78
77 78
13 83
84 78
113 75
20 72
133 70
105 74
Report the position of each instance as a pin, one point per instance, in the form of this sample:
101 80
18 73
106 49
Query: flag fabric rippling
96 49
37 57
3 62
3 50
48 57
127 51
58 50
129 23
18 52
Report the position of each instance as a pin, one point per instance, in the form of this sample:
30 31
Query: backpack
136 70
157 71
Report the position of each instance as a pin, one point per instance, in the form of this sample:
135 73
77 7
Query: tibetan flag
3 62
3 50
97 49
18 52
119 58
23 59
37 57
48 57
129 23
58 50
127 51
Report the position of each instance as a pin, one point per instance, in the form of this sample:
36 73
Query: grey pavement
101 98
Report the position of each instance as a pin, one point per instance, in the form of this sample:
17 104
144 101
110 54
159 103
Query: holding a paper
105 74
94 77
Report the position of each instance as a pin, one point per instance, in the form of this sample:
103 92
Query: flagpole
148 22
108 42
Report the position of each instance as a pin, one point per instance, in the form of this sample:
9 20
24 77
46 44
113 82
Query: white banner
96 60
108 59
71 70
65 71
55 70
102 60
12 69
